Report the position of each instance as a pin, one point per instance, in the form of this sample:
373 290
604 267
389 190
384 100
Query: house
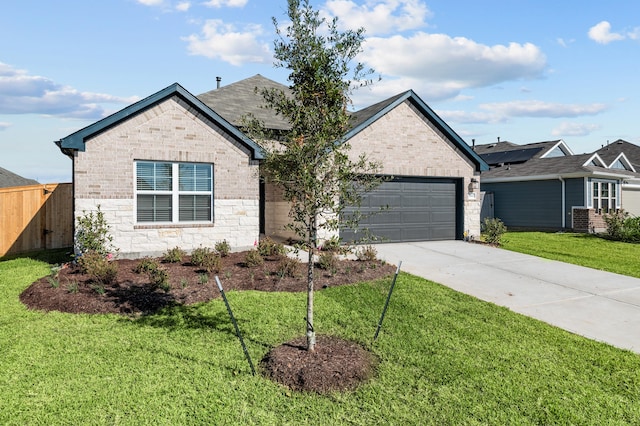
616 155
546 186
9 179
176 169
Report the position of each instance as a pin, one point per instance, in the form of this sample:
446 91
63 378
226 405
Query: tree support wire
386 304
235 325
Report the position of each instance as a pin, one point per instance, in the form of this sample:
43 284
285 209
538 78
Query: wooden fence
36 217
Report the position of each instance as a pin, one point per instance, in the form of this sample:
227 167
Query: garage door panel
421 209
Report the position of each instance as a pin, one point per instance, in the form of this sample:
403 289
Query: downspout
564 216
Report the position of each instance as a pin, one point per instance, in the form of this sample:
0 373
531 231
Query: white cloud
574 129
22 93
447 65
4 125
150 2
222 41
378 16
601 33
226 3
465 117
536 108
183 6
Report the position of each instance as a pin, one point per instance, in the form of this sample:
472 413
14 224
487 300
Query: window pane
195 177
195 208
163 177
153 176
144 176
154 208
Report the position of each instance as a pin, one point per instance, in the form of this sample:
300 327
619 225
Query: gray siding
574 189
533 204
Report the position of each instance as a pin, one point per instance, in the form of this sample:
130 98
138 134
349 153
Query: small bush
174 255
92 234
73 287
268 247
199 255
223 248
288 267
367 253
159 278
53 281
212 262
253 258
327 261
98 267
492 230
203 278
146 265
621 227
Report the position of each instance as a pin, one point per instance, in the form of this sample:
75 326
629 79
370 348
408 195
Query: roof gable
77 140
367 116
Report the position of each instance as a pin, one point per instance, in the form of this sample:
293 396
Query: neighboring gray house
545 186
9 179
623 154
177 170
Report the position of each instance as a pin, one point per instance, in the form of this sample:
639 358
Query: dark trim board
420 209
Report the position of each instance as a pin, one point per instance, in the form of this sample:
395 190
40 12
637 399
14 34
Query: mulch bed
334 365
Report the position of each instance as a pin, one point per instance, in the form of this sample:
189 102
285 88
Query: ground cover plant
443 358
580 249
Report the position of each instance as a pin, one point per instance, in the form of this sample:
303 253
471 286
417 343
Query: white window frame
596 199
175 194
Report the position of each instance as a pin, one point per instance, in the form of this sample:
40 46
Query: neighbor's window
604 196
174 192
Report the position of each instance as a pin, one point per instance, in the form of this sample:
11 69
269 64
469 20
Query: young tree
311 163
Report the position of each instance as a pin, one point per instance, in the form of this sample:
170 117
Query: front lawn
445 358
579 249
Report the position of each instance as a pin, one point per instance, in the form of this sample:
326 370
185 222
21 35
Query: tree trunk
311 334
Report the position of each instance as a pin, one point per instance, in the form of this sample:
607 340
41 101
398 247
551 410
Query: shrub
199 255
253 258
98 267
173 255
288 267
327 261
621 227
146 265
159 278
268 247
492 230
92 234
212 262
367 253
223 248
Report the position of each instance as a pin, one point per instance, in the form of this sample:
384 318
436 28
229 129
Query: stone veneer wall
406 144
170 131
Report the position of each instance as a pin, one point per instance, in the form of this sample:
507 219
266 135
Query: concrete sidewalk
595 304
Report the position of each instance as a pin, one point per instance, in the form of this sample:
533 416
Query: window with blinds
161 186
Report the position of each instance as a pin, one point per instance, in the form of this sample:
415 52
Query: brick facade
588 220
407 144
170 131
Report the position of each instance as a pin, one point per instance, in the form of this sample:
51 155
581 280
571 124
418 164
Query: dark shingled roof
9 179
610 152
237 99
548 167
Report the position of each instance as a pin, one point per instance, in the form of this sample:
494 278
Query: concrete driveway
595 304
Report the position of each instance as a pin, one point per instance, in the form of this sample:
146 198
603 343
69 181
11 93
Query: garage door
420 209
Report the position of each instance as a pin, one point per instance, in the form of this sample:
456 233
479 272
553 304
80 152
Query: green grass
445 358
580 249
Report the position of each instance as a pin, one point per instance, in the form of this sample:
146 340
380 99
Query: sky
519 70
